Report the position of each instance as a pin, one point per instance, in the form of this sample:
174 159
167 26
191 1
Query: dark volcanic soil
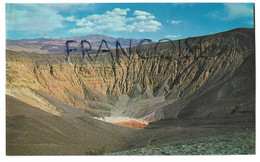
34 132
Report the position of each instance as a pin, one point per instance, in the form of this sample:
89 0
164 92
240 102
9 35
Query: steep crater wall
156 88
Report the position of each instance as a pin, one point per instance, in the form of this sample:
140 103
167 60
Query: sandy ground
118 119
125 121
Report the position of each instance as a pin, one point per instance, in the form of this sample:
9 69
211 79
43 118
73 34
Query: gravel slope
240 143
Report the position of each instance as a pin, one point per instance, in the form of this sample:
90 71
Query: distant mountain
51 46
36 39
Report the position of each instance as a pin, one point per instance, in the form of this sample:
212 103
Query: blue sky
128 20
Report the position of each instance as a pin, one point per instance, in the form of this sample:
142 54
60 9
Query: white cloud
82 30
70 18
232 11
116 20
176 21
141 17
33 18
146 26
118 11
238 10
84 22
172 36
141 13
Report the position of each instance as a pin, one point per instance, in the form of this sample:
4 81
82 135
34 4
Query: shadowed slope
32 131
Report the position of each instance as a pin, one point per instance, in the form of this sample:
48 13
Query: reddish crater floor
132 124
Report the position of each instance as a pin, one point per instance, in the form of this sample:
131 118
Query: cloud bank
233 11
117 20
33 18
